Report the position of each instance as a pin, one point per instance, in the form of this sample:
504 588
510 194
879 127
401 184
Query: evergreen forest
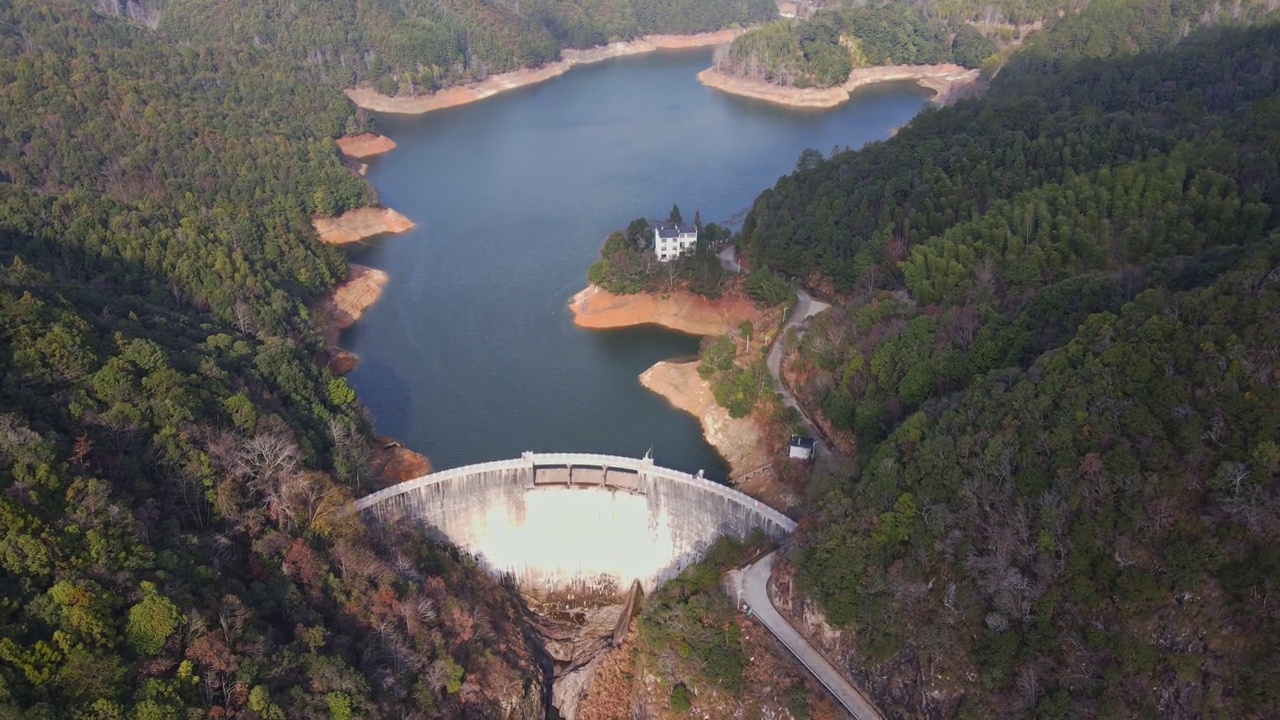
1054 359
176 468
416 46
822 49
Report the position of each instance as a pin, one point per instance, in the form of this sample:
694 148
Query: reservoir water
471 354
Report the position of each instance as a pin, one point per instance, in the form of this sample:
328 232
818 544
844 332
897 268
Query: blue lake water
471 354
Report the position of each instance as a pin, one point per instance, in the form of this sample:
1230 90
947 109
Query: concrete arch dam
559 522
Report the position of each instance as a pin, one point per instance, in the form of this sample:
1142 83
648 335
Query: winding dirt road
806 307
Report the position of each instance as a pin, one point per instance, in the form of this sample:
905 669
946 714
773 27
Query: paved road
751 585
806 307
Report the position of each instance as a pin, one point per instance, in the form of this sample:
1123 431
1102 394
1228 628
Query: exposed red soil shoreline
365 145
598 309
360 224
947 81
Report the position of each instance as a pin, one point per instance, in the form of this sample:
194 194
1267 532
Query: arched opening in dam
577 524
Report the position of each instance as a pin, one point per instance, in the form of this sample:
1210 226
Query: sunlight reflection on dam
577 522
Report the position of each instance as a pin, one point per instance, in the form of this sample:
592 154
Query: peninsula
949 82
365 145
360 224
370 99
740 441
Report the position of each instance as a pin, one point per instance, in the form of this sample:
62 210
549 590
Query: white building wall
668 248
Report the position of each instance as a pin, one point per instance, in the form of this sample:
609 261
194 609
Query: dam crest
577 523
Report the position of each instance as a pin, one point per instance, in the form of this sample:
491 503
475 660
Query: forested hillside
821 50
997 226
175 468
420 45
1055 356
1094 536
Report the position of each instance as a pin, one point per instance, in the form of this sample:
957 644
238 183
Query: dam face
577 523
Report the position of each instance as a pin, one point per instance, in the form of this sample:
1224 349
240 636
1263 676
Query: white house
670 240
800 447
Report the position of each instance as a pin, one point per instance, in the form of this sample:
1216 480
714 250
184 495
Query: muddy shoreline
948 82
365 145
371 99
360 224
595 308
738 440
742 442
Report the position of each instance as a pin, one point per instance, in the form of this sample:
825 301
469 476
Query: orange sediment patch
371 99
341 362
738 440
947 82
742 442
393 463
365 145
356 225
677 42
599 309
341 308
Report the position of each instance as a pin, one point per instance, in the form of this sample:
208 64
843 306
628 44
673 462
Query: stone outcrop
355 166
360 224
599 309
371 99
579 645
947 81
365 145
393 463
337 360
146 13
738 440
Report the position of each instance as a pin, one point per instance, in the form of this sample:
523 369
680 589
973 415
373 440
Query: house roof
670 230
801 441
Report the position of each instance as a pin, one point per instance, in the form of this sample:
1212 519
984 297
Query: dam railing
531 461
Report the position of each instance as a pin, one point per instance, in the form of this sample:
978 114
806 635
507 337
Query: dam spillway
560 522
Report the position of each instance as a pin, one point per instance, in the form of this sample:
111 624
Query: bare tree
870 279
1028 686
269 453
243 316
